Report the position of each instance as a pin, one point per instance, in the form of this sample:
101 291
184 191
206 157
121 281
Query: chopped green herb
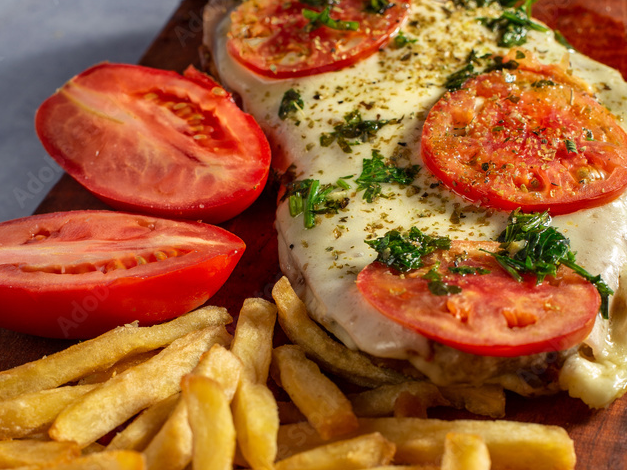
378 6
400 40
320 3
571 147
354 128
513 24
436 285
404 252
589 135
376 171
542 83
468 270
323 18
309 197
476 65
291 103
530 245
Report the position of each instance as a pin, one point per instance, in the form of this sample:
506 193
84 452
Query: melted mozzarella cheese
402 84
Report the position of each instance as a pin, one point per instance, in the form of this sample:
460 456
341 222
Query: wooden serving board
595 28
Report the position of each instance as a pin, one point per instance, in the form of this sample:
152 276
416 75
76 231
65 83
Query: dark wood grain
598 29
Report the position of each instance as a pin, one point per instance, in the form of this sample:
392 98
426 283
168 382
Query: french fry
486 400
34 412
103 351
256 420
222 366
512 445
318 345
117 368
383 400
171 448
465 452
142 429
113 460
321 401
29 452
252 341
124 395
366 451
211 422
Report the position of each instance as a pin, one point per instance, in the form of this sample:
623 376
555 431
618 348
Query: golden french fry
29 452
383 400
117 368
124 395
171 447
317 344
366 451
256 418
222 366
142 429
512 445
109 460
487 400
321 401
211 421
252 341
34 412
103 351
465 452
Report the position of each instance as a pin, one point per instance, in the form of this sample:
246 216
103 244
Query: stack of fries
185 394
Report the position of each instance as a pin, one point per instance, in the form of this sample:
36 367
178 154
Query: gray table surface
43 43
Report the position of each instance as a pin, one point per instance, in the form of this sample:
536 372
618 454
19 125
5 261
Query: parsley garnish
436 285
309 197
376 171
323 18
404 252
530 245
513 24
353 128
291 103
486 63
542 83
378 6
468 270
400 40
571 147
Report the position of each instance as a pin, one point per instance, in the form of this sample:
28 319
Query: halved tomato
155 142
78 274
493 314
275 39
532 138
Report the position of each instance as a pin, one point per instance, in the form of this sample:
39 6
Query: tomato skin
494 315
156 142
76 275
270 37
531 138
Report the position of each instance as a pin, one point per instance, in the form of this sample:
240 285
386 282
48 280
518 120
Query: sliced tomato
532 138
156 142
78 274
272 38
493 315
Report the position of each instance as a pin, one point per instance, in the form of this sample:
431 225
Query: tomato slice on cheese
273 38
531 138
493 315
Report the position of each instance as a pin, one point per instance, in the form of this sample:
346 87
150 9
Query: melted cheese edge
323 262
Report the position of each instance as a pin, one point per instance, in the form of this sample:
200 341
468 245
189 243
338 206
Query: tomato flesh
529 138
78 274
271 37
156 142
493 315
